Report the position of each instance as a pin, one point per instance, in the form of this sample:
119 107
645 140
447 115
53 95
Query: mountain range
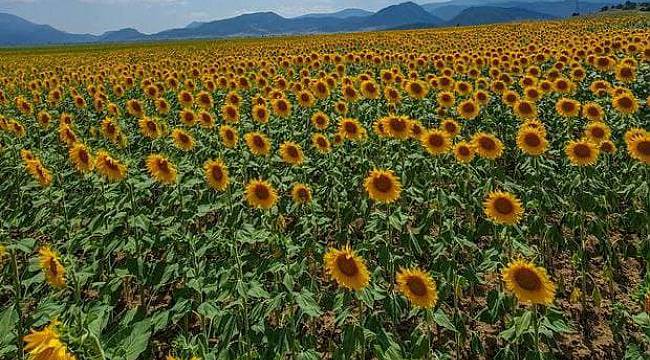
16 31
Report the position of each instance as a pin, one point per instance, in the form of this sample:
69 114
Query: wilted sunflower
351 129
639 148
216 174
260 194
301 193
487 145
464 152
529 283
110 168
383 186
258 143
321 143
347 268
182 139
161 169
503 208
567 107
52 267
229 136
320 120
436 142
418 287
260 114
531 141
291 153
81 157
582 152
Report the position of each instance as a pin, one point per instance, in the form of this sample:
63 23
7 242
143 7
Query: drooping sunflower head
39 172
531 141
291 153
109 167
161 169
487 145
347 268
52 268
261 194
529 283
258 143
301 193
436 142
418 287
182 139
81 157
383 186
503 208
582 152
216 174
229 136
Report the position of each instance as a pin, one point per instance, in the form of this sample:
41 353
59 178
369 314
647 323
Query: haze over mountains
17 31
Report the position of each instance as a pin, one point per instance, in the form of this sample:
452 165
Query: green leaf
443 320
307 304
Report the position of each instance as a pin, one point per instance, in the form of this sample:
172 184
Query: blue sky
97 16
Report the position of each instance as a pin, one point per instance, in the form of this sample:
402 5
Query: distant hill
122 35
491 14
343 14
449 9
400 15
18 31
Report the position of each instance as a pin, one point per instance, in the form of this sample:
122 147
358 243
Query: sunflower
44 119
301 193
592 111
281 108
230 113
260 194
149 128
468 109
216 174
464 152
436 142
321 89
392 95
81 157
46 344
204 100
397 127
417 89
258 143
134 108
451 127
525 109
206 120
531 141
567 107
349 93
582 152
39 172
187 117
487 145
383 186
503 208
625 73
341 108
182 139
625 103
162 106
305 99
347 268
110 129
229 136
529 283
291 153
185 98
161 169
418 287
351 129
369 89
321 143
597 132
532 93
320 120
607 147
639 148
110 168
52 268
445 99
260 114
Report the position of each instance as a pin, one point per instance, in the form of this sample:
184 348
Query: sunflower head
291 153
52 268
81 157
161 169
531 141
436 142
503 208
582 152
347 268
383 186
109 167
464 152
182 139
529 283
639 148
260 194
321 143
229 136
487 145
301 193
320 120
258 143
418 287
216 174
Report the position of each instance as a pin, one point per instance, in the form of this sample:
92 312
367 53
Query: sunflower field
460 193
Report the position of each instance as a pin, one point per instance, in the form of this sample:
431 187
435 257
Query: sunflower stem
18 300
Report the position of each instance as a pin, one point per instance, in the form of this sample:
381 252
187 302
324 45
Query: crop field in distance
457 193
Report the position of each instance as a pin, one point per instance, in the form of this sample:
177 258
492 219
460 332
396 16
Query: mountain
445 12
401 15
194 24
565 8
18 31
343 14
122 35
491 14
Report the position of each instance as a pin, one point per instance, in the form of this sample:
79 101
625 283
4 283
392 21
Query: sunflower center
217 173
397 124
347 265
436 140
528 279
303 194
625 102
350 128
292 151
597 132
567 106
503 206
417 286
582 151
383 183
258 141
487 143
262 192
83 156
644 147
468 108
464 151
532 140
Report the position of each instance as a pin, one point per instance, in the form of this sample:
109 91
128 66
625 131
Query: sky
148 16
